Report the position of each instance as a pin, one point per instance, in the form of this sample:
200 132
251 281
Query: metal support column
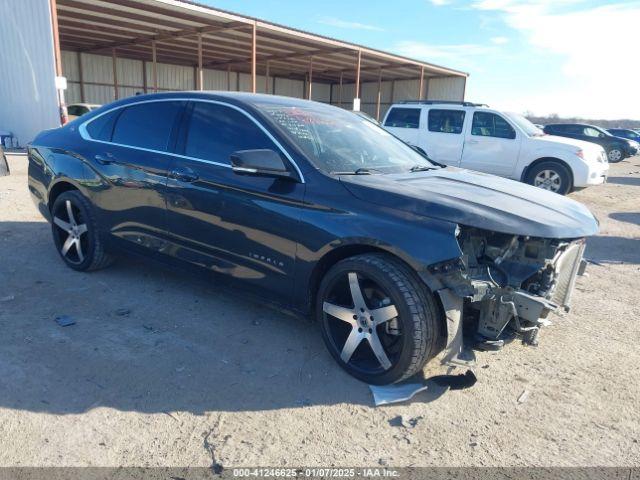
253 57
114 61
154 67
200 77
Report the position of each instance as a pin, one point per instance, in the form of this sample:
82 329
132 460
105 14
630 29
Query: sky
566 57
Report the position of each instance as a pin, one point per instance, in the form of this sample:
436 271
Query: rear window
147 125
446 121
400 117
102 127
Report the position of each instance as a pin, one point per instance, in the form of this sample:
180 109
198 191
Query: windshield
525 125
339 142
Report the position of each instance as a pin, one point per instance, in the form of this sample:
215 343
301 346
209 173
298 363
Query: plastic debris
65 320
402 392
386 394
523 396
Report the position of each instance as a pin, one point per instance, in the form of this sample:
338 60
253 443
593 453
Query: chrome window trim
82 130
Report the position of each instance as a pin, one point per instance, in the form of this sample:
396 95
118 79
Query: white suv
472 136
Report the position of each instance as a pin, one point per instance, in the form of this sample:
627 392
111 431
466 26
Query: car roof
231 97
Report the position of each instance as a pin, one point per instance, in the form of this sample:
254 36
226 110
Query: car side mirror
259 162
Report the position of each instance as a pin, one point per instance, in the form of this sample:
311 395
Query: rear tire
615 155
387 334
550 175
75 233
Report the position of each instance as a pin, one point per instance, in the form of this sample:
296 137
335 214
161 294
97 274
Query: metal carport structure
109 49
188 34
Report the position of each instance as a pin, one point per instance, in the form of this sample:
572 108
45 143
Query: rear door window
147 125
214 132
446 121
486 124
401 117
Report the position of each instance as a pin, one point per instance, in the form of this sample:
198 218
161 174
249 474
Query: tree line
555 118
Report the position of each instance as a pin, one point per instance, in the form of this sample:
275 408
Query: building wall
28 97
446 88
436 88
97 76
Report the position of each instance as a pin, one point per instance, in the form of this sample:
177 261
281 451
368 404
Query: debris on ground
400 421
8 298
456 382
386 394
65 320
523 396
123 312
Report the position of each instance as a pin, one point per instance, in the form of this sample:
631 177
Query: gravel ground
162 369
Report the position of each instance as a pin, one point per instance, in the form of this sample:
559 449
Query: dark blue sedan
322 212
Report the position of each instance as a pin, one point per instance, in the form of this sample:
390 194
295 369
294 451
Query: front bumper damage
503 286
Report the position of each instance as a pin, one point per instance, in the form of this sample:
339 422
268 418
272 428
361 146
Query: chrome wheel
548 180
362 323
71 232
614 155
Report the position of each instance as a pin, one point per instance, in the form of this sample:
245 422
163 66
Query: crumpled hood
477 200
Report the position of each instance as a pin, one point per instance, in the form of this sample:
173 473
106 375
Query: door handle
102 160
472 142
183 174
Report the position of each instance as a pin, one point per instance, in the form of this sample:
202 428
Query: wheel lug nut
370 330
355 317
359 330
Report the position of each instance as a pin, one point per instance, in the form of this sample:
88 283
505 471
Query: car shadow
628 217
151 339
609 249
633 181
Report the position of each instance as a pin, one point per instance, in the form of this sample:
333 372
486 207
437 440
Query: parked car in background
625 133
321 211
4 165
473 136
76 110
617 148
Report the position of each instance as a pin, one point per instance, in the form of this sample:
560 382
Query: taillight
580 153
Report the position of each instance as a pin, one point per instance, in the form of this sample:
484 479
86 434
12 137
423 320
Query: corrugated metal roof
130 26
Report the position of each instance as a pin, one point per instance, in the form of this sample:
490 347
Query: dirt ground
162 369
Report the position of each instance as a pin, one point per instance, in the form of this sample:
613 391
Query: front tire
550 175
378 320
615 155
75 233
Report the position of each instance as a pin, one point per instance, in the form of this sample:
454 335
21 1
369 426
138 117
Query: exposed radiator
567 267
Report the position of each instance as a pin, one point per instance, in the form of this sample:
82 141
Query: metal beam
80 76
286 56
200 71
358 74
115 73
253 57
378 98
154 67
421 83
266 78
310 77
165 36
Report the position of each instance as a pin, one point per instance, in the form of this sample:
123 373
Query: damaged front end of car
502 286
